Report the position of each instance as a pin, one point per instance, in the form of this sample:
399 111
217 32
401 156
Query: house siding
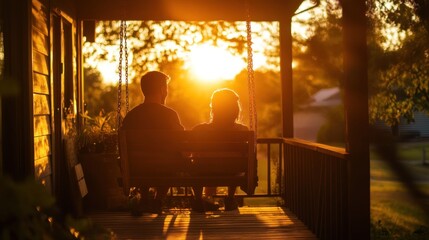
41 93
418 128
420 125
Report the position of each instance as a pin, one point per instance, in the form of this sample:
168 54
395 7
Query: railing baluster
269 169
280 171
266 144
316 185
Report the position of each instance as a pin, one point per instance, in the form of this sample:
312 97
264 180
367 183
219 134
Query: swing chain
121 50
127 105
123 57
250 72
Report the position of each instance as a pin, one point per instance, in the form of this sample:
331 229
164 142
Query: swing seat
188 159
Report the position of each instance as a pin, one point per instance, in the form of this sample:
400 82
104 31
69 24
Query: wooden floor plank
245 223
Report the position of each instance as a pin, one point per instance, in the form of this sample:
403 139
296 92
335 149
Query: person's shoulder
161 108
133 112
201 127
169 109
240 127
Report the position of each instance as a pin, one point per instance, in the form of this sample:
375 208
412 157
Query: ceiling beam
186 10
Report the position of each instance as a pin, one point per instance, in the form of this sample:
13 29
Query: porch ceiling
186 10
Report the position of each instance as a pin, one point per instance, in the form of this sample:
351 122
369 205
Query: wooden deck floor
244 223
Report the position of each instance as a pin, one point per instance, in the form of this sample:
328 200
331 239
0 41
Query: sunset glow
109 71
205 61
210 64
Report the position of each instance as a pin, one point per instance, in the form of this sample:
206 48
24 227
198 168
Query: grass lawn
394 214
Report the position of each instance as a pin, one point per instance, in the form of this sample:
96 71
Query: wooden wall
41 92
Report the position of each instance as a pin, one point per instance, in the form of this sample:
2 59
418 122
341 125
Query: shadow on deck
244 223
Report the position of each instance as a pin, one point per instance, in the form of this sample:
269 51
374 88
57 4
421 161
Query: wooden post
80 78
286 76
356 117
89 30
286 84
17 106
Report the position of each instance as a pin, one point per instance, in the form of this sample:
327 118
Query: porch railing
270 172
312 180
316 187
270 167
310 177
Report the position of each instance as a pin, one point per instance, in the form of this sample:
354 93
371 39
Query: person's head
154 86
225 106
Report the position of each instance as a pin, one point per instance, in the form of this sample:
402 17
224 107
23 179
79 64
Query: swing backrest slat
188 158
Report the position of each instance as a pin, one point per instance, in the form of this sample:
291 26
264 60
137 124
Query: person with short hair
152 114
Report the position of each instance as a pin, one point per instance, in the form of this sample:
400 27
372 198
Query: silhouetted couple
152 114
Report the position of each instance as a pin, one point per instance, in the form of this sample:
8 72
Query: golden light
212 64
294 64
108 72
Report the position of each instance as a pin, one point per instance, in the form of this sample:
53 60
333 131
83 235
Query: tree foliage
162 46
398 51
399 75
319 55
398 67
151 43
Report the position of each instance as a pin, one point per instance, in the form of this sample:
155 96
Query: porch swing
229 158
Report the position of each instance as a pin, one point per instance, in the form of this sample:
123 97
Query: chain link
123 57
250 73
121 50
127 104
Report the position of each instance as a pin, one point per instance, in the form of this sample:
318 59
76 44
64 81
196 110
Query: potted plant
98 134
98 153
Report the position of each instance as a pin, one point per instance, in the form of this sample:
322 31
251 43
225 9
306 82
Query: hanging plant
98 134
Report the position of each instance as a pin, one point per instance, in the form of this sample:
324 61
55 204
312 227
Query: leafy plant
98 133
332 132
28 211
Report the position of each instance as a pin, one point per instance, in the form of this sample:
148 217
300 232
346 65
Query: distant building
311 116
327 97
417 129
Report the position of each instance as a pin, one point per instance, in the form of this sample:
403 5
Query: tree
93 89
161 45
318 56
153 42
398 69
399 74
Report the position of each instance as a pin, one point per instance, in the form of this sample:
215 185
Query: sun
109 72
211 64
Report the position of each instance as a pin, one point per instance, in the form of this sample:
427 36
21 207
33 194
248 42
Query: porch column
286 76
356 117
17 103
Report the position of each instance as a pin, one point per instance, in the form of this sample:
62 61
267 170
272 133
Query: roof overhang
187 10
